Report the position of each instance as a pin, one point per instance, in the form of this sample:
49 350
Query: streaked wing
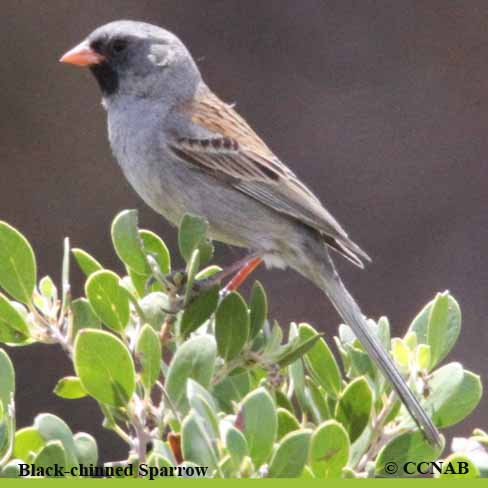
237 155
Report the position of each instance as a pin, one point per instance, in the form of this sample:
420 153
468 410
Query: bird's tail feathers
329 281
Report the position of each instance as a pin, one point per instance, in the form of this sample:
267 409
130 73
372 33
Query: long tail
329 281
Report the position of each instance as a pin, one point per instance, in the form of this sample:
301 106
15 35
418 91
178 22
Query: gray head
137 59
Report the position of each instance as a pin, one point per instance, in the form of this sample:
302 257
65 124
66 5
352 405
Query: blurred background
381 107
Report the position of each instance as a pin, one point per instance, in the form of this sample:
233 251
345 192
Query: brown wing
238 156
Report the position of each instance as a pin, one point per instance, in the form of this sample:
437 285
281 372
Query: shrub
188 373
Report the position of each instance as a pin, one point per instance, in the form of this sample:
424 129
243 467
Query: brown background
380 106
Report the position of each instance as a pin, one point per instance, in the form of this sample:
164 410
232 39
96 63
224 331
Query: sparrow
185 151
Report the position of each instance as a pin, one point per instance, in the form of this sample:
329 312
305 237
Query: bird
185 151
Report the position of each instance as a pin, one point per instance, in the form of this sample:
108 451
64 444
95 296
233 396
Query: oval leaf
411 447
27 441
289 459
86 449
192 233
7 380
443 328
70 387
321 362
18 271
127 243
50 455
259 309
195 443
52 428
420 325
194 359
259 424
329 450
83 316
286 422
354 407
231 325
452 464
199 310
148 350
87 263
237 446
104 366
153 245
13 327
448 400
108 299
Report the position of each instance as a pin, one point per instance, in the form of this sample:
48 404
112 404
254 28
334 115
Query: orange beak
82 55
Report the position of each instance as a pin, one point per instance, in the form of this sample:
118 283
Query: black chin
107 78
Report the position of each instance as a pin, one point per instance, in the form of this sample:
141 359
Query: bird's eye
97 46
118 46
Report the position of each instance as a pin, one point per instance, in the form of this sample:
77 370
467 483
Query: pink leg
243 274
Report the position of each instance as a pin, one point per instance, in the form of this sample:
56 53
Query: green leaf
294 350
400 353
154 306
383 332
231 325
232 389
444 327
317 401
194 359
162 448
127 242
11 469
449 325
422 356
52 428
194 389
13 327
28 441
208 272
195 443
286 422
155 246
411 447
321 362
108 299
51 454
70 387
104 366
283 401
296 373
83 316
148 350
18 271
289 459
192 236
353 409
158 461
259 424
48 288
237 446
7 380
191 271
86 449
86 262
329 450
259 309
207 415
192 232
452 464
199 310
454 393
